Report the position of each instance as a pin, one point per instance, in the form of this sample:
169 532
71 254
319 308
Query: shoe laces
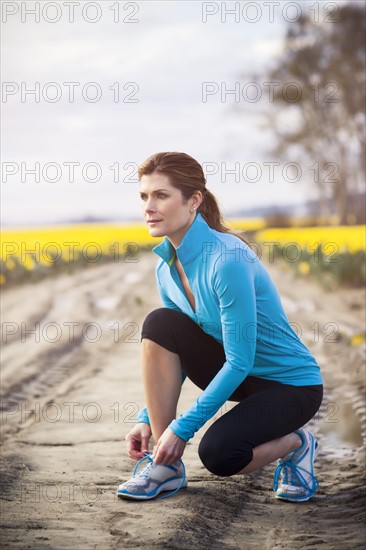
146 471
285 471
296 476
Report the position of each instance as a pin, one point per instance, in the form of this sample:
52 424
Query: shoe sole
161 489
295 499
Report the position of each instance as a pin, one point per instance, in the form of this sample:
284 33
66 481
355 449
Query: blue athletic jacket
238 304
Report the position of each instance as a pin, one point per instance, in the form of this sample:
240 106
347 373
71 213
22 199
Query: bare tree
326 103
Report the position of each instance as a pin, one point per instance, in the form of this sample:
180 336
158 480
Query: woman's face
165 210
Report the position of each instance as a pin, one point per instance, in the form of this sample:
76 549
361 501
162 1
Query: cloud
169 53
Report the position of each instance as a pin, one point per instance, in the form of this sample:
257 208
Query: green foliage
342 269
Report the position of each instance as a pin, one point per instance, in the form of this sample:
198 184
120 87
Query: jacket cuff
176 427
143 416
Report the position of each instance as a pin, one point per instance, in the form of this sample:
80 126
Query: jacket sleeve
234 289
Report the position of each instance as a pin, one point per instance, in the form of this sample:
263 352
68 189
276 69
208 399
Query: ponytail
210 211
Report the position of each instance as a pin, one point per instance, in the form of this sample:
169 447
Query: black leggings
266 409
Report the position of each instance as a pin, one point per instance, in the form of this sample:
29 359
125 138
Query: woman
223 326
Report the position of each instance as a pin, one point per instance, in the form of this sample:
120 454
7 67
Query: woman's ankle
294 445
297 441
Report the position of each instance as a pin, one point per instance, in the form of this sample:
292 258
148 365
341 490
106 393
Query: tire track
54 367
226 513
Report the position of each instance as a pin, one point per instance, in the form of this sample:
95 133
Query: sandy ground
71 391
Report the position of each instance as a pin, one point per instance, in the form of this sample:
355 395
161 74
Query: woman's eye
159 195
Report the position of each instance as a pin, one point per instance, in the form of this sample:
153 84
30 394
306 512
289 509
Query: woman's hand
169 448
138 440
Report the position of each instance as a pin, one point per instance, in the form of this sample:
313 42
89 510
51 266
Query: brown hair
186 174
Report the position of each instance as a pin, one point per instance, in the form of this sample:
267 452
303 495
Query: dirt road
71 390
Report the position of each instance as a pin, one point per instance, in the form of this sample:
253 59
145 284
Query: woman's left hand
169 449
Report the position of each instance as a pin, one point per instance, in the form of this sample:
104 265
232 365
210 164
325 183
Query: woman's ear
197 199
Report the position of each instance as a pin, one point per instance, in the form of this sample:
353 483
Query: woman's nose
149 205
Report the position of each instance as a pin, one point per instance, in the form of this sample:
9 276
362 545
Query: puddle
335 447
340 424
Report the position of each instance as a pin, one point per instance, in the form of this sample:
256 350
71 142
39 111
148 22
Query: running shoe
154 479
296 471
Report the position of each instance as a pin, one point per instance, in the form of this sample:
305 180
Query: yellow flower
69 243
303 268
29 263
334 239
10 263
357 339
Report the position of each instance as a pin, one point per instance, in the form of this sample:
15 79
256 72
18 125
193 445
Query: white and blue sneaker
154 479
295 471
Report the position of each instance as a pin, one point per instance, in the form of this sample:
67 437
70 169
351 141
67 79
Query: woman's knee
158 319
162 326
220 457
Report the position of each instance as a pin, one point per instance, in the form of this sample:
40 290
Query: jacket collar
199 232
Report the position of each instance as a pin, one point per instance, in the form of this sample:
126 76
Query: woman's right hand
138 440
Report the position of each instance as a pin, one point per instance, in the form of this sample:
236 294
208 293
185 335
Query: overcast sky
159 63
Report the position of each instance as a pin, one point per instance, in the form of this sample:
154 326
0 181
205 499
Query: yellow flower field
35 250
246 224
334 255
349 238
48 244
